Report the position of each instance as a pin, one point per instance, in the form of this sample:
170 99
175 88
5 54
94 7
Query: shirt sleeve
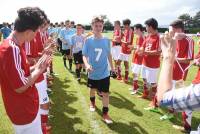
182 99
14 70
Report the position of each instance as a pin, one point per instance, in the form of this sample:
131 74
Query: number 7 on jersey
99 52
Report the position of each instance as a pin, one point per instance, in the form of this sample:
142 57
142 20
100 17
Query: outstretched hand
168 46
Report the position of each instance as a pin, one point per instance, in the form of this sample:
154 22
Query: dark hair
97 19
152 23
48 21
29 18
126 22
43 14
177 24
83 27
72 22
67 21
79 25
51 24
117 22
139 26
62 23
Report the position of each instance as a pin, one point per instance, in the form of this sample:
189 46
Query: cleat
107 119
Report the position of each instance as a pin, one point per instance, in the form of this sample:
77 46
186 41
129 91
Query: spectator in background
5 30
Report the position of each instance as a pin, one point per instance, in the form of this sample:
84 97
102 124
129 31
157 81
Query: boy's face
72 25
176 30
117 26
149 29
79 29
67 24
97 27
126 26
43 27
136 30
30 35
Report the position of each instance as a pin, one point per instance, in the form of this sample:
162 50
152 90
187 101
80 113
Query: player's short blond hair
97 19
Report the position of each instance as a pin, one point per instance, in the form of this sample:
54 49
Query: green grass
70 114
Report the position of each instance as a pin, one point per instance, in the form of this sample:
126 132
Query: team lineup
26 67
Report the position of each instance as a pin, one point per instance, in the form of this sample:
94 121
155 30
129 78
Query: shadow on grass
61 113
123 103
195 122
124 128
130 128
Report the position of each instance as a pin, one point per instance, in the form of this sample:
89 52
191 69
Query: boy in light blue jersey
66 34
77 45
59 36
52 30
5 30
73 28
96 54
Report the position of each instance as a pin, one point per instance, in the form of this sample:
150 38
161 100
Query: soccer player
66 35
73 27
96 54
184 54
17 79
33 54
116 43
5 30
77 45
59 35
126 41
185 98
137 59
151 59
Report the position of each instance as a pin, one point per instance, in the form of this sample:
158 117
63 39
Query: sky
82 11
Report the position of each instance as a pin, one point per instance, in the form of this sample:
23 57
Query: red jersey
151 43
31 49
21 108
136 58
184 49
117 35
40 42
44 37
127 37
197 78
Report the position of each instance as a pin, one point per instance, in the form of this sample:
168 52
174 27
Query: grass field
70 114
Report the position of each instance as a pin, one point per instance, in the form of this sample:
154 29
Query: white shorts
115 51
123 57
31 128
42 92
150 74
136 68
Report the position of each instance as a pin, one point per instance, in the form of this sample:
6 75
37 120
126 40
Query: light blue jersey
97 52
73 30
59 31
66 35
52 31
77 43
5 31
